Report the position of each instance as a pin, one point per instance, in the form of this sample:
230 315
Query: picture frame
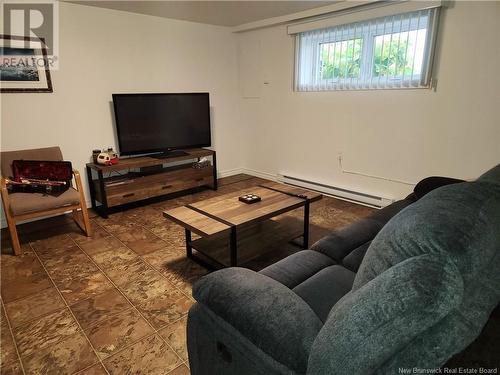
24 66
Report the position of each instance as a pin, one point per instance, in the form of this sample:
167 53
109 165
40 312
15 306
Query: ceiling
222 13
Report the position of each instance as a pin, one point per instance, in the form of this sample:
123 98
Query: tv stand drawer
155 190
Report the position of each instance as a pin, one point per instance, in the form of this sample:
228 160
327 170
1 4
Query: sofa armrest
372 324
267 313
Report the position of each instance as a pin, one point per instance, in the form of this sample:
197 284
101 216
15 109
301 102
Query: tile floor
115 303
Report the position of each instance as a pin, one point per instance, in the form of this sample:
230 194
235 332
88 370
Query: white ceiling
222 13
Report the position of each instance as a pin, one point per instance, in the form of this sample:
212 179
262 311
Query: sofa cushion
294 269
341 242
354 259
322 290
23 203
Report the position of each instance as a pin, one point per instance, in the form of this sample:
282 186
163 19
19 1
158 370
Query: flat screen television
154 123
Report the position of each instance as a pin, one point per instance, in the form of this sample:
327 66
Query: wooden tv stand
135 179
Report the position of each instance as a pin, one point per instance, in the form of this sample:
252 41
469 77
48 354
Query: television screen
148 123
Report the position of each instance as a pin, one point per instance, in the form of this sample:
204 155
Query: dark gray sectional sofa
409 286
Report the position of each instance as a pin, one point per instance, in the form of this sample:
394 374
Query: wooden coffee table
226 214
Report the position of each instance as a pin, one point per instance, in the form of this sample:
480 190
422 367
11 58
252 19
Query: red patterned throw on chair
40 176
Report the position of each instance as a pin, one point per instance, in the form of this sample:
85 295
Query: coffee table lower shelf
215 264
251 243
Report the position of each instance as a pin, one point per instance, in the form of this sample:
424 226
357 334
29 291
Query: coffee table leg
306 226
189 249
233 247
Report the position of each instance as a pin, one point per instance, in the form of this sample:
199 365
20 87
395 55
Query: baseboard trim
264 175
248 171
230 172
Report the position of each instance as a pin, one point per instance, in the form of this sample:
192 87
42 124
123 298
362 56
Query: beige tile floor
115 303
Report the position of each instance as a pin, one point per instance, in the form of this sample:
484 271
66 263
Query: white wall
403 135
103 52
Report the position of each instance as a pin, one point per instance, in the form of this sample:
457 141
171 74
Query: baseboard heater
337 192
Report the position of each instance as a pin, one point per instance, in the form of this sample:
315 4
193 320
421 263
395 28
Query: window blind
393 51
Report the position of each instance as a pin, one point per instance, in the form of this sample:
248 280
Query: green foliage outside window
341 59
390 56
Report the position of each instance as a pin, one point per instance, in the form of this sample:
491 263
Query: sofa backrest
436 268
459 220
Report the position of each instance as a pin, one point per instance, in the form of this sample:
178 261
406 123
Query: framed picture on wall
24 66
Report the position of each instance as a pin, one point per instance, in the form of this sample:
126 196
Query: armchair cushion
269 314
47 153
23 203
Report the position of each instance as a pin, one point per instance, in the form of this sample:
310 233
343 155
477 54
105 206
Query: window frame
393 24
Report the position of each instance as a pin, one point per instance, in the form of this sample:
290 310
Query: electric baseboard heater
338 192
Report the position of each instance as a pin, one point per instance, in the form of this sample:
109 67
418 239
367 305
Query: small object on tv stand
202 163
170 154
109 157
249 198
95 154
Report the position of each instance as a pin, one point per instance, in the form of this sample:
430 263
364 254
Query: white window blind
388 52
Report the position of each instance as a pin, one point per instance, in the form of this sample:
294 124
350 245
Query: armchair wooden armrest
4 183
11 223
78 179
86 221
5 192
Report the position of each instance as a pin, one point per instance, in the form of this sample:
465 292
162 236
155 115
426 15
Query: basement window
390 52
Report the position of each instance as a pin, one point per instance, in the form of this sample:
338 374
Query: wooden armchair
24 206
